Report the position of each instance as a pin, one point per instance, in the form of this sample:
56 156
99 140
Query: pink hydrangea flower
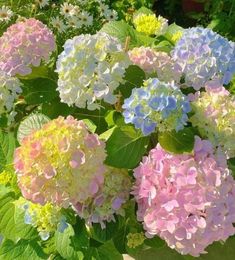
187 200
62 163
153 62
24 45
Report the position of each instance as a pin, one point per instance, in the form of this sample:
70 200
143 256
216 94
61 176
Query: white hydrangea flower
90 69
58 24
5 14
9 92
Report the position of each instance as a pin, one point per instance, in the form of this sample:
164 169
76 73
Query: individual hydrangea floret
62 163
153 62
204 55
214 115
150 24
90 68
25 45
156 105
187 200
109 199
46 218
10 88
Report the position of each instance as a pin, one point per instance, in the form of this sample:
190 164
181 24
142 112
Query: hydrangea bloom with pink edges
24 45
153 62
61 163
187 199
214 115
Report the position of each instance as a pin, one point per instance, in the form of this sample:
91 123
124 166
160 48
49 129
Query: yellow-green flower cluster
135 239
61 163
109 199
150 24
46 218
214 115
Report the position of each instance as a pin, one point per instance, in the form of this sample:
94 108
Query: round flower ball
187 200
150 24
156 105
153 62
214 116
109 200
25 45
90 69
10 88
203 55
61 163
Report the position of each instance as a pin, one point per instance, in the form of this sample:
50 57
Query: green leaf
37 72
30 123
125 147
12 224
143 10
155 242
171 30
39 90
90 125
144 40
121 30
64 245
134 78
22 250
177 142
231 165
7 147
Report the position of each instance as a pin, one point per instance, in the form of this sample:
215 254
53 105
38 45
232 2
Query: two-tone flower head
150 24
156 105
45 218
109 199
90 69
203 55
62 163
154 62
10 88
25 45
214 115
187 200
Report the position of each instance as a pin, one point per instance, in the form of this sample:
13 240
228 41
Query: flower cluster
24 45
108 200
153 62
150 24
62 163
135 239
10 88
204 55
156 104
214 115
90 68
188 200
46 218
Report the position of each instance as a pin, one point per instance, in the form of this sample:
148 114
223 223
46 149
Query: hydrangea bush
116 134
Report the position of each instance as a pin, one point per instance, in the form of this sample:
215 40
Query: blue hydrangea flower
204 55
156 105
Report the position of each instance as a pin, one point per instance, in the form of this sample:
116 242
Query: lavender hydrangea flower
204 55
156 104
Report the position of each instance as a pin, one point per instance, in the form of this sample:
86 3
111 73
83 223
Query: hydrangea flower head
214 115
153 62
24 45
187 200
156 105
90 68
10 88
150 24
109 199
204 55
135 239
62 163
46 218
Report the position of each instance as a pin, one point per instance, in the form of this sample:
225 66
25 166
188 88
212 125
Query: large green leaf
12 224
7 147
22 250
39 90
64 245
125 147
177 142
